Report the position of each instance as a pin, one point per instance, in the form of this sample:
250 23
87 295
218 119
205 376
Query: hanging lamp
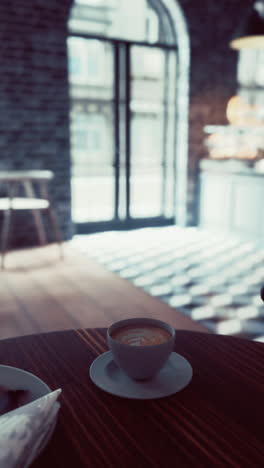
250 33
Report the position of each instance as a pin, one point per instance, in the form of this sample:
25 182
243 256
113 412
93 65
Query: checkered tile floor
215 280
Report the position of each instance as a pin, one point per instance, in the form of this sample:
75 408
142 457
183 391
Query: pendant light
250 34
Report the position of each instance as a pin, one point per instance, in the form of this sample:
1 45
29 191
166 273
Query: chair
29 180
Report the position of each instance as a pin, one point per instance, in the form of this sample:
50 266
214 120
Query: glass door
146 108
92 136
152 100
122 134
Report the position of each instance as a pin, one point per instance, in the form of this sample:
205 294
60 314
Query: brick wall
34 101
34 126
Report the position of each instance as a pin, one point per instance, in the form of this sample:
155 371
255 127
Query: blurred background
150 115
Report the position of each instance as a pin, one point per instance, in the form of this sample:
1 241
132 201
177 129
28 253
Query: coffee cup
141 346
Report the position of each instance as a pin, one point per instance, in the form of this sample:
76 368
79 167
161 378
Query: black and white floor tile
215 280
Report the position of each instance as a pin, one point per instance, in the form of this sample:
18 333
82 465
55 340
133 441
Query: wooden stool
12 180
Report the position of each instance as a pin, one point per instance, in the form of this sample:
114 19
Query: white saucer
172 378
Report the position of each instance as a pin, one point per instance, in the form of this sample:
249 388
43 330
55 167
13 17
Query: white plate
173 377
18 379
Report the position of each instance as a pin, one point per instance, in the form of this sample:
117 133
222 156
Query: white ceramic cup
140 362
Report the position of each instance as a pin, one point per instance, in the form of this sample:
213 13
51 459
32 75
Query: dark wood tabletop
216 421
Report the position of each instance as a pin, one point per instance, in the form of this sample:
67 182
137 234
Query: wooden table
216 421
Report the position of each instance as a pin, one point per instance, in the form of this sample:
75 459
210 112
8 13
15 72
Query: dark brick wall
34 100
34 127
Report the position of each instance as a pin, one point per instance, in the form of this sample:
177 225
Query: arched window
129 97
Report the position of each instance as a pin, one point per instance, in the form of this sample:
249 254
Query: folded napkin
25 431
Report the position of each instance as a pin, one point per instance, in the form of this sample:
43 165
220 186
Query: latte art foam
147 335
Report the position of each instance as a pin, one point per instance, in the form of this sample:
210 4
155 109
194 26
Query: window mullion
117 126
165 133
127 127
